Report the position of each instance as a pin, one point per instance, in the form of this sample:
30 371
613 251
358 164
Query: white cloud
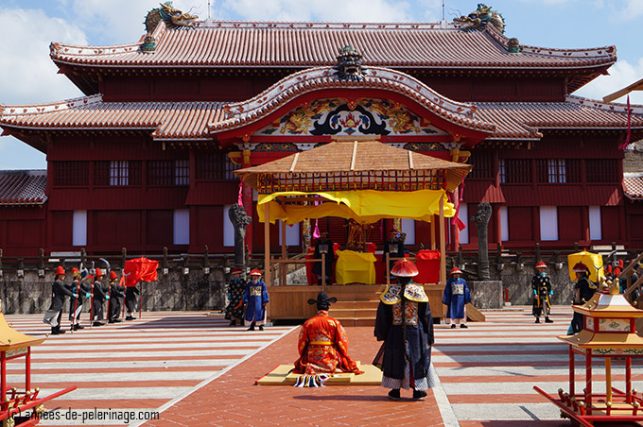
28 74
633 9
121 21
621 75
321 10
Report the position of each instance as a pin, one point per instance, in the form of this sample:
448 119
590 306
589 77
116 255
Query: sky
27 27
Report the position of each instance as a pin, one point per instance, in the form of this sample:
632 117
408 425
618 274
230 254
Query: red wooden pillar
247 201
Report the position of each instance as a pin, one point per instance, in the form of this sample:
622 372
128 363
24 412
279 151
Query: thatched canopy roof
358 162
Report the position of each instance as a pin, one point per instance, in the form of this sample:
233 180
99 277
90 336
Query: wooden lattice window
117 173
602 171
482 162
168 172
71 174
515 171
215 166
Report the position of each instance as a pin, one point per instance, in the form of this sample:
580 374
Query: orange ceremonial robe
323 347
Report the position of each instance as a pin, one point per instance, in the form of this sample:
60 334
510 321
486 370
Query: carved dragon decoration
478 19
170 15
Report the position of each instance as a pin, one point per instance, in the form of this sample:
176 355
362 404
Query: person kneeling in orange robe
323 345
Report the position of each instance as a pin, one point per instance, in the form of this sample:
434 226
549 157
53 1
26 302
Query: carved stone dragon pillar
481 218
240 221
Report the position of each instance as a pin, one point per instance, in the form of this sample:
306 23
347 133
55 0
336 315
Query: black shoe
251 328
77 327
129 318
419 394
537 320
548 320
261 327
394 394
57 332
117 320
463 326
110 321
98 324
233 323
453 326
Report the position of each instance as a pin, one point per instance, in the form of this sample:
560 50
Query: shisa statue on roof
323 344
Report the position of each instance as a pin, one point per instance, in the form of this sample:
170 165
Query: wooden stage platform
356 304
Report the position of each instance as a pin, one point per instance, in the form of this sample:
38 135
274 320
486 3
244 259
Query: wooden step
354 312
357 321
474 314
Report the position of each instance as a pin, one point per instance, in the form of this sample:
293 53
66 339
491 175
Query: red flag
140 270
240 197
628 135
456 218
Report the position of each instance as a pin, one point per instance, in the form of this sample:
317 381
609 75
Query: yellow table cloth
355 267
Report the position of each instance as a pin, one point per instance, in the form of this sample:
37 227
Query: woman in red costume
323 345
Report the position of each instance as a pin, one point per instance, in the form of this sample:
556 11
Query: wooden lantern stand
609 333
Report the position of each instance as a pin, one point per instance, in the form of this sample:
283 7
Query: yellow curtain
355 267
365 206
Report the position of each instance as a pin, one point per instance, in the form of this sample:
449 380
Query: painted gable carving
342 117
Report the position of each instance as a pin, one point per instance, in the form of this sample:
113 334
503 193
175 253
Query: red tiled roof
190 120
23 187
242 113
167 120
526 119
633 185
293 45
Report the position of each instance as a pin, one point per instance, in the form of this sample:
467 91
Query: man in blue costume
405 325
255 299
456 296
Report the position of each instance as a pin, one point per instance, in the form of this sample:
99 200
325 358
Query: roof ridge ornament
173 18
349 64
479 18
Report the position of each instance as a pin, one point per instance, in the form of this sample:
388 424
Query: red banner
140 270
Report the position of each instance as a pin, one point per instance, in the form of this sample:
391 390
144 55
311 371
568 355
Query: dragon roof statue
478 19
171 16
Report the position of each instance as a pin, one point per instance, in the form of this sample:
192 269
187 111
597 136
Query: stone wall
174 291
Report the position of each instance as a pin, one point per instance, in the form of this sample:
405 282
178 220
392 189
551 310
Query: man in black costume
116 294
584 290
405 325
324 244
58 293
101 295
131 301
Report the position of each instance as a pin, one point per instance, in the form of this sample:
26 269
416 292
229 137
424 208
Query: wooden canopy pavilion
364 180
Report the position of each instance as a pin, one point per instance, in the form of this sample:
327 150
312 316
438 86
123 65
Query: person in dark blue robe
456 296
405 324
584 290
255 299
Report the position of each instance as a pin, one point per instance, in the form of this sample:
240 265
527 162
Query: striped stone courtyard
191 369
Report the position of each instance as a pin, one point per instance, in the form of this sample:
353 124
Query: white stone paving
158 343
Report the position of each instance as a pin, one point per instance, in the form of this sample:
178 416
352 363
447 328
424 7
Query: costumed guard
82 291
584 290
541 287
456 296
131 301
324 243
236 288
255 298
100 296
323 344
58 293
116 295
405 325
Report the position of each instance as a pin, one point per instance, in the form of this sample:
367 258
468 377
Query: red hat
99 273
579 267
256 272
236 270
540 264
404 268
60 271
455 270
113 275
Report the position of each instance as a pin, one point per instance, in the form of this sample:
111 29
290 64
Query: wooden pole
323 272
443 255
266 248
388 270
284 256
432 225
608 379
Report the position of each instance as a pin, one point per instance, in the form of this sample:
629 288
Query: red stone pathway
234 400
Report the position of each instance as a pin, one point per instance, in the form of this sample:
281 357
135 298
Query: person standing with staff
255 299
